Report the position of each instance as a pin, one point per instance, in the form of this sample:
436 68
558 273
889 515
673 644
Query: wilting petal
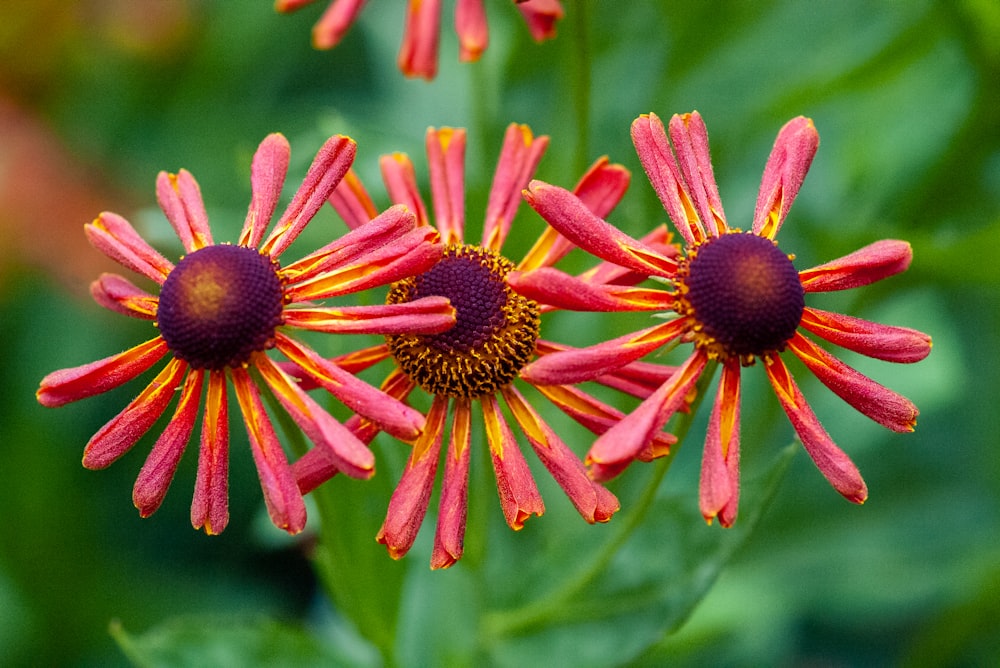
351 200
541 17
582 364
472 29
349 454
453 507
267 177
120 295
519 497
66 385
118 436
281 495
884 342
180 199
784 173
210 505
328 168
870 264
831 460
720 464
565 212
518 160
408 504
881 404
428 315
624 441
335 22
418 54
401 184
446 162
115 237
551 287
161 464
690 139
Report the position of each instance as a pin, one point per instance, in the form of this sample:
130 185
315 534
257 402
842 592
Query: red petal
210 505
883 342
870 264
115 237
784 173
519 158
519 496
120 295
446 162
267 177
551 287
690 139
472 29
335 22
418 54
453 507
180 199
720 464
351 200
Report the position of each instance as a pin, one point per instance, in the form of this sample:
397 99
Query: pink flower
479 361
419 52
222 307
737 298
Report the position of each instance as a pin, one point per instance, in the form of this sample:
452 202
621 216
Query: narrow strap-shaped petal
180 198
419 52
638 379
519 496
566 213
281 495
608 272
351 200
158 471
518 160
623 442
867 265
328 168
335 21
719 491
541 17
428 315
115 237
551 287
349 454
396 418
884 342
690 139
453 508
836 466
119 435
881 404
285 6
408 505
120 295
446 163
267 177
472 29
353 362
582 364
561 462
210 504
401 183
657 157
784 173
66 385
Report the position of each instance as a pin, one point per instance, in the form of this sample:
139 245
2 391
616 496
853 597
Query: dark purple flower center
494 333
219 305
745 294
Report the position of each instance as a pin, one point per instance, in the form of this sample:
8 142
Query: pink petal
519 158
551 287
453 507
66 385
831 460
210 505
607 272
418 54
519 497
267 177
335 22
884 342
429 315
541 17
120 295
446 162
690 139
720 464
115 237
180 199
401 184
870 264
472 29
351 200
119 435
783 175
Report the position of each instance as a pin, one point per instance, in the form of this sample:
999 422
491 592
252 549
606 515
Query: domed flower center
744 294
220 304
494 334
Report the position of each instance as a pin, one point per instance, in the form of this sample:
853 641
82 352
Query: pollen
494 333
742 294
219 305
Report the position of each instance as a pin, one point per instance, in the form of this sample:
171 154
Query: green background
97 96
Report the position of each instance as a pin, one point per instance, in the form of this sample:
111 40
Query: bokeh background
97 96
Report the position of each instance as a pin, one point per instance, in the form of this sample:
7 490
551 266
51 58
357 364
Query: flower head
222 307
418 56
738 299
476 364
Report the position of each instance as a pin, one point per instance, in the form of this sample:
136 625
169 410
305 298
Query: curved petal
66 385
120 295
180 199
351 200
335 22
472 29
453 508
422 31
720 465
518 160
690 140
519 497
836 466
446 163
870 264
267 178
784 173
883 342
210 504
428 315
551 287
401 184
115 237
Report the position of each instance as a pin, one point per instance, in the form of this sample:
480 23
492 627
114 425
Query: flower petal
66 385
453 507
541 17
831 460
210 505
884 342
472 29
267 177
180 199
870 264
428 315
119 435
519 497
690 140
446 162
784 173
551 287
422 31
401 184
115 237
120 295
518 160
351 200
720 465
335 21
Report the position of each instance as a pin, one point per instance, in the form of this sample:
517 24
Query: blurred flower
737 298
479 360
221 307
419 52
